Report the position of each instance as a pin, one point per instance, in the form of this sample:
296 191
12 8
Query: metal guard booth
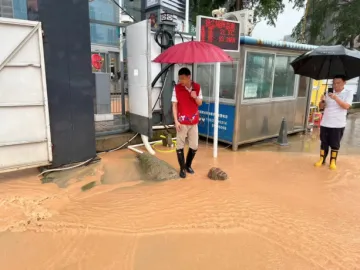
256 91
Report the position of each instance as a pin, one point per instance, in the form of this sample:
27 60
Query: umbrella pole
326 87
192 66
317 92
216 109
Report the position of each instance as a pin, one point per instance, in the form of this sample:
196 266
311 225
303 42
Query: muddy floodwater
276 211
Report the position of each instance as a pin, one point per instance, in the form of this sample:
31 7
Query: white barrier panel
25 129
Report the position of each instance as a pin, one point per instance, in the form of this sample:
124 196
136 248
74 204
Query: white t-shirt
335 116
174 99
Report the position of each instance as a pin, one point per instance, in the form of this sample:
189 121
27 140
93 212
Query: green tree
347 23
263 9
342 15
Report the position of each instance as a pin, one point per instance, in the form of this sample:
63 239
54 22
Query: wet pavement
276 211
119 125
310 143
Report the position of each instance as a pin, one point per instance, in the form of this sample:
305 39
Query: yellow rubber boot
321 161
333 160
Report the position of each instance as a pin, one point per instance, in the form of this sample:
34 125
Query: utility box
155 10
102 93
102 97
69 79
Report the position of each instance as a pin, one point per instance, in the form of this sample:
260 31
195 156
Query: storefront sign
250 90
97 61
226 121
222 33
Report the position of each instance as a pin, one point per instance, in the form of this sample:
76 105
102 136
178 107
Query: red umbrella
193 52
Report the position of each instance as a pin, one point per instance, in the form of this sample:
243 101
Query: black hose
165 69
161 91
170 42
161 33
182 39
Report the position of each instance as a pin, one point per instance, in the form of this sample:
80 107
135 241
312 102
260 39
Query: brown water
275 212
309 143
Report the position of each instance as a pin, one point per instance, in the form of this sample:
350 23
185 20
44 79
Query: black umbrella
326 62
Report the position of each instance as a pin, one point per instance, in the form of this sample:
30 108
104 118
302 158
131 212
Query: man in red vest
186 99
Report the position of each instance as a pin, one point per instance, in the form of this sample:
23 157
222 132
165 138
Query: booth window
205 74
284 77
303 84
228 78
258 75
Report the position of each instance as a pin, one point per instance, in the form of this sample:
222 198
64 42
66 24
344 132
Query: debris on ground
217 174
88 186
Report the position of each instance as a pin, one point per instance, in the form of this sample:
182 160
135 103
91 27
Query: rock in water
156 169
217 174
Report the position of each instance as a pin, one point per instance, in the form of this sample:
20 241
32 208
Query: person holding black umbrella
335 103
340 64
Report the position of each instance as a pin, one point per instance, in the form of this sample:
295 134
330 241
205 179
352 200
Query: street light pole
187 8
216 109
121 58
239 4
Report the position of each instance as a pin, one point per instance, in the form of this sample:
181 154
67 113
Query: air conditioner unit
126 19
246 19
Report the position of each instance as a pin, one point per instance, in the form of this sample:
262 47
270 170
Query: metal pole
192 66
308 101
216 109
357 93
187 8
317 92
239 4
122 72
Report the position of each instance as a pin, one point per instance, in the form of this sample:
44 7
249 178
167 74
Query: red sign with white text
96 61
224 34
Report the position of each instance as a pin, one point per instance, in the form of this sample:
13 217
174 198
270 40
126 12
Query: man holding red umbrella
186 99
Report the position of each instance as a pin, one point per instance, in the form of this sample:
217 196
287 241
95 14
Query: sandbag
156 169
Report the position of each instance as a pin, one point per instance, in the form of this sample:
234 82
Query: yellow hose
173 149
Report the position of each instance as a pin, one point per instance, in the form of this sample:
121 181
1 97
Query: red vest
188 110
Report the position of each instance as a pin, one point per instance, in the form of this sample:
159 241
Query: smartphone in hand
330 90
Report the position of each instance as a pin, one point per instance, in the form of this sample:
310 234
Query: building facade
104 37
104 11
134 8
105 34
13 9
105 18
154 9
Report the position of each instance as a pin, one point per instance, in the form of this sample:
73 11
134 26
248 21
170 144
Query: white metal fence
25 126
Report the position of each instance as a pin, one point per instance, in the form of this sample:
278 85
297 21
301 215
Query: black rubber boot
326 152
181 160
323 155
189 159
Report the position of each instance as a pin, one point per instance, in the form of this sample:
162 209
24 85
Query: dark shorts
331 137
